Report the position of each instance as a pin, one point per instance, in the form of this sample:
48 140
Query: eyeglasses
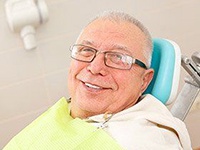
111 59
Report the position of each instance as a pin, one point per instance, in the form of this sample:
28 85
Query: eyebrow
121 47
90 43
114 46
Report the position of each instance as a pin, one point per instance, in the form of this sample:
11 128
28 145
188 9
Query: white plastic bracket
24 16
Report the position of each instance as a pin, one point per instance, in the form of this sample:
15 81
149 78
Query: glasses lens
82 53
118 60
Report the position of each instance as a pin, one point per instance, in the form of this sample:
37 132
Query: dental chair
166 62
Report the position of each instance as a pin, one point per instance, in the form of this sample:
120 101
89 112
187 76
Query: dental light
24 16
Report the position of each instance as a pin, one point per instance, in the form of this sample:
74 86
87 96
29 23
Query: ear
147 77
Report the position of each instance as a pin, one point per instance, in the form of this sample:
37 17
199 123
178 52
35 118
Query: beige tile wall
31 81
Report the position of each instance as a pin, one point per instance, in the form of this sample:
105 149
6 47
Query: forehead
106 34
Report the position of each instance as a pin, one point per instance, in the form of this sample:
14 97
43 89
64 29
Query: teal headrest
163 63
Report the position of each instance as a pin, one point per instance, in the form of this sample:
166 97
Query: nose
97 66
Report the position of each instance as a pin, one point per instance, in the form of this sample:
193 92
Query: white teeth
92 86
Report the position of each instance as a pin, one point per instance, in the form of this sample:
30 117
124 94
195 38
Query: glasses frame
134 60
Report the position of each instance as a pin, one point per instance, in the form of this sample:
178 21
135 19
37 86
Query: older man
108 74
104 78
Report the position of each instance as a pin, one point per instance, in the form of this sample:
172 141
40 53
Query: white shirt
146 125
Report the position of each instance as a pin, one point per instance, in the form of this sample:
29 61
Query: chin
91 106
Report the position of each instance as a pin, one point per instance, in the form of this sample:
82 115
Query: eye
116 57
86 51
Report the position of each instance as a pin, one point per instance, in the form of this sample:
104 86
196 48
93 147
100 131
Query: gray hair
119 16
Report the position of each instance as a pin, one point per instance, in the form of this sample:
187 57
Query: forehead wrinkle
117 47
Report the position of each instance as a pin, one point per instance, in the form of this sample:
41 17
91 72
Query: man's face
96 88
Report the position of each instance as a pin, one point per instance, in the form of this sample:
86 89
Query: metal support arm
190 89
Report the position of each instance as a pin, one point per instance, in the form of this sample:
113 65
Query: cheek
70 81
128 92
74 70
130 83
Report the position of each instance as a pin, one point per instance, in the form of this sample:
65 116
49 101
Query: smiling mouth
93 86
